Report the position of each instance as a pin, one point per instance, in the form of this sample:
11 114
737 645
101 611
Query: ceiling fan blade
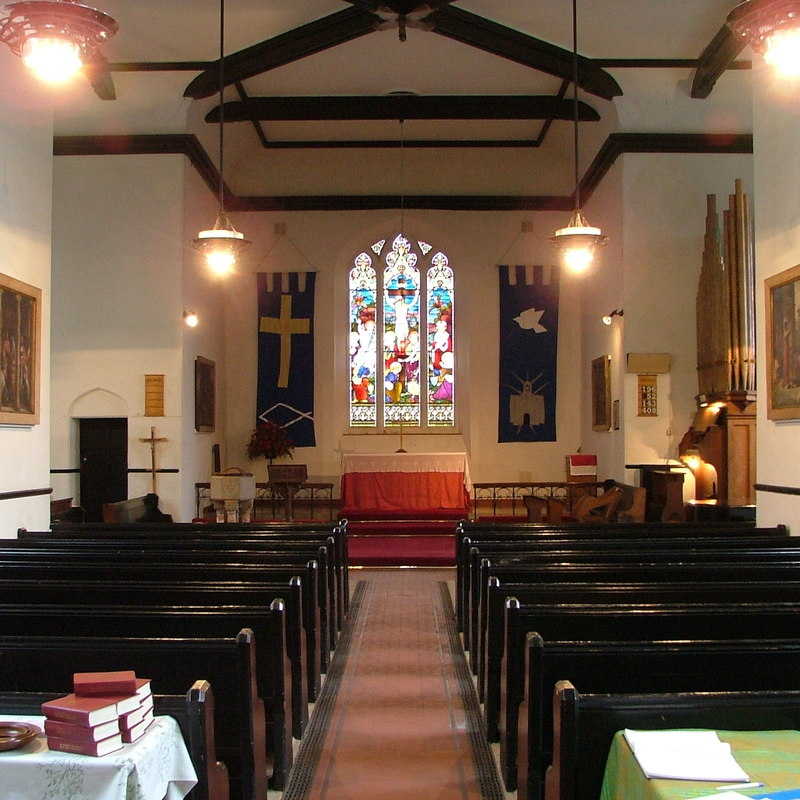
99 76
477 31
403 107
400 6
365 5
718 55
293 45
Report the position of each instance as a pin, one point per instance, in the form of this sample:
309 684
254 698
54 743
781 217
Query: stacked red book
105 710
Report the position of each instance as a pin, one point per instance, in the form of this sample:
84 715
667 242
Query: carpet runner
397 716
392 543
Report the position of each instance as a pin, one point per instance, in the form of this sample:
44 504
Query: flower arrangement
269 440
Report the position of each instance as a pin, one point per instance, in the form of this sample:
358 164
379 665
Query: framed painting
782 298
20 352
204 394
601 393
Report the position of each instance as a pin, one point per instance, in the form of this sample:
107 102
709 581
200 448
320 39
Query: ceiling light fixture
772 27
56 38
578 241
190 319
609 318
221 244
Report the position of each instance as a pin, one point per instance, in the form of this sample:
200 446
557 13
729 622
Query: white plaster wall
118 244
777 181
475 243
205 295
664 226
26 164
660 101
602 293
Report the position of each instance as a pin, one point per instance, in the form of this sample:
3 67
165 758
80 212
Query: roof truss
437 16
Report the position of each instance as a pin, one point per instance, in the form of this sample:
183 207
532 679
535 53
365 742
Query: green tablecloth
770 757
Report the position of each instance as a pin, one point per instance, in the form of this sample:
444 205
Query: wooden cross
153 441
285 326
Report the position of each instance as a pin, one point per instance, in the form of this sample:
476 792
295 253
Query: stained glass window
401 334
363 342
441 373
412 330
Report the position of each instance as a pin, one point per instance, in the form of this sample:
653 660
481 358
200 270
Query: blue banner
286 353
528 353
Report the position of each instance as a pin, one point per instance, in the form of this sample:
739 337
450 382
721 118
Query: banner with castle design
528 353
286 353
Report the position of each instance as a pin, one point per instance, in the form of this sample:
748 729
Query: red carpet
394 551
403 722
393 543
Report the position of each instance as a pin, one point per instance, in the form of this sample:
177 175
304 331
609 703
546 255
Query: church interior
500 293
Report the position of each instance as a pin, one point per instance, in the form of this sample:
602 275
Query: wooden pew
585 725
201 598
573 622
662 573
469 527
194 713
509 553
272 666
277 529
603 594
47 663
475 532
219 577
124 510
258 530
647 666
633 551
224 563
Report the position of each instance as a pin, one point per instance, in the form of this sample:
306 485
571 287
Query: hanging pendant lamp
578 241
55 38
772 28
222 244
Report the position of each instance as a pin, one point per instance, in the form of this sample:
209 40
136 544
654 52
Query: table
405 485
156 767
769 757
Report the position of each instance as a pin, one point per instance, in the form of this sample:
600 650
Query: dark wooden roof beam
719 55
474 30
403 107
343 26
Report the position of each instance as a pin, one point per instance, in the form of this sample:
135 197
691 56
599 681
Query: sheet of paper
685 755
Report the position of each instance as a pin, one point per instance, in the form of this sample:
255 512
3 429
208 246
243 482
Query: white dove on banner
530 319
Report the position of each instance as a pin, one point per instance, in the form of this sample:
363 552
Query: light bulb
52 60
693 462
220 259
783 52
578 259
191 319
607 319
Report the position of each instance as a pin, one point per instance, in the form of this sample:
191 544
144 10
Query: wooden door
104 464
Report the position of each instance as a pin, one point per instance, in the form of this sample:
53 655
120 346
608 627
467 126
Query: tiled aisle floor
398 726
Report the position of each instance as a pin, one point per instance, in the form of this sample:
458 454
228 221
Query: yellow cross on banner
285 326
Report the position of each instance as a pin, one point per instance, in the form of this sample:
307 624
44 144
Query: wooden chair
598 509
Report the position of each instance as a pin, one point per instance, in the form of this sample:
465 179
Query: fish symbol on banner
531 319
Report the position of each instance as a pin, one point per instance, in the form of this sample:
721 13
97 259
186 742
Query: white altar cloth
156 767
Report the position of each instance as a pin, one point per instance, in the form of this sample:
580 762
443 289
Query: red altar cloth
405 486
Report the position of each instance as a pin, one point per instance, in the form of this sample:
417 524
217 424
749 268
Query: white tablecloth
408 462
157 767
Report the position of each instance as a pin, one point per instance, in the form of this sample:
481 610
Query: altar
405 485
